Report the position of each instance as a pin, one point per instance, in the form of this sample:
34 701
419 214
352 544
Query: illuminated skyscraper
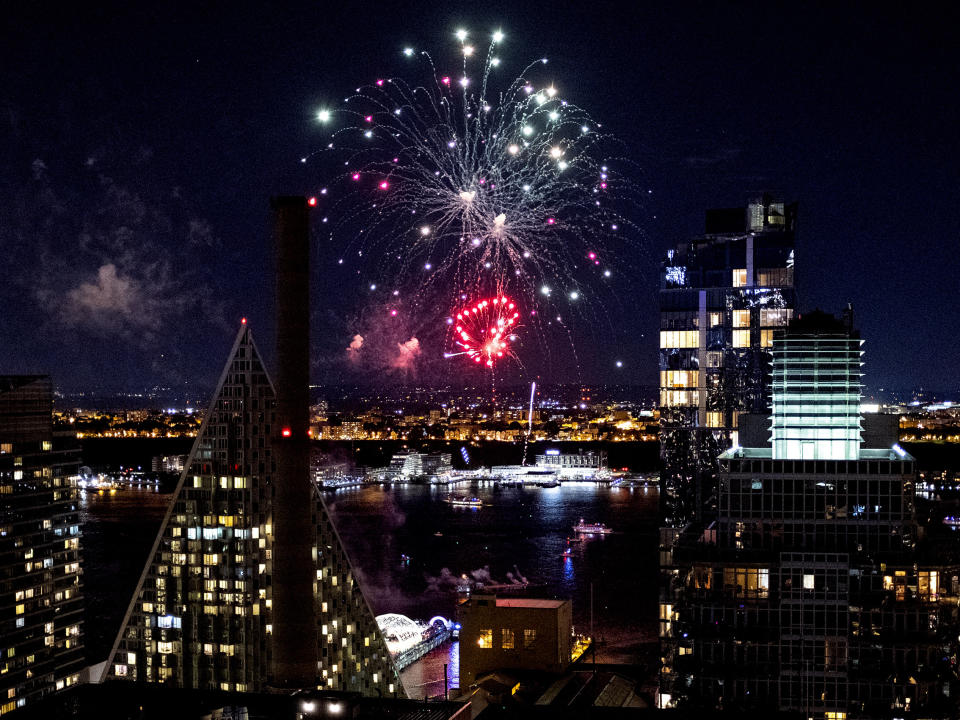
248 586
816 591
41 607
202 614
722 296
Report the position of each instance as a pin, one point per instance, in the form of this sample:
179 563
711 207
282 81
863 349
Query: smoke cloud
407 353
353 349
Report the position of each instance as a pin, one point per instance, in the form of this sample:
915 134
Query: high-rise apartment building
815 591
41 607
248 587
722 296
202 614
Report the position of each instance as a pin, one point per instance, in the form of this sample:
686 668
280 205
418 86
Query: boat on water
585 528
466 501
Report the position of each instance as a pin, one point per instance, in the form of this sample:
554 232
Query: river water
410 547
519 534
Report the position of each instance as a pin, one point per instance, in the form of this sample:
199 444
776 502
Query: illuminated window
928 584
776 317
506 638
702 577
529 638
485 638
676 339
714 419
679 378
741 338
766 338
835 715
742 582
741 318
809 582
740 277
678 398
716 319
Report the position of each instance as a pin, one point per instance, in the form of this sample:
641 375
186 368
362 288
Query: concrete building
41 608
514 634
815 591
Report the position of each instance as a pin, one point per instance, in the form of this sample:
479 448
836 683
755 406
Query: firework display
472 183
485 330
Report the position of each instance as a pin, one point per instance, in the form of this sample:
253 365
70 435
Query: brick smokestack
294 621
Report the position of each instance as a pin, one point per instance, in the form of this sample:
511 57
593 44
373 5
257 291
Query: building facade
202 615
514 634
41 607
816 591
722 296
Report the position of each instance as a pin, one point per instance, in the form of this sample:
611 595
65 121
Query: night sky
141 141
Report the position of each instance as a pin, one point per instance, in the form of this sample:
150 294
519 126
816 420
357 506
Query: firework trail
460 188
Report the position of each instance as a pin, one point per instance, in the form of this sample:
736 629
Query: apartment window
716 319
506 639
702 577
529 638
835 653
775 277
485 638
679 339
766 338
741 318
928 585
678 398
746 582
679 378
776 317
741 338
740 277
809 582
714 419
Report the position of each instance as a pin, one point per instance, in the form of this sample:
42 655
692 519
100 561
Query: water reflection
411 549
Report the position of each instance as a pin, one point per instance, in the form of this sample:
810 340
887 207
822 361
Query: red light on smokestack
312 202
285 432
243 321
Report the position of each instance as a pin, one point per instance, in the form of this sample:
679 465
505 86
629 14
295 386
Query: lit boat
585 528
465 501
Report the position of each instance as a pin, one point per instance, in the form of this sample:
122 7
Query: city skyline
122 244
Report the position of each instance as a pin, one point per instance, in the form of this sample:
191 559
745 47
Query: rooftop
530 603
893 453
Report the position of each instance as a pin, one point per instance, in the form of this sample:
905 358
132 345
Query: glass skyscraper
722 297
816 590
